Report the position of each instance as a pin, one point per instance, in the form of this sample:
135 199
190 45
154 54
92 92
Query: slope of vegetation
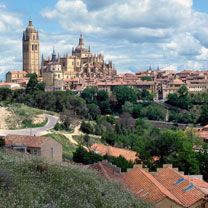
34 184
68 147
23 116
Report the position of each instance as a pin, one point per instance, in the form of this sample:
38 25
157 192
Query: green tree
128 107
146 78
93 111
203 164
2 142
120 162
89 95
81 155
180 99
5 94
102 96
137 111
87 127
154 112
124 93
203 119
86 139
147 95
105 107
34 84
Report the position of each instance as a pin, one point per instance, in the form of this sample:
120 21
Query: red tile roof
18 72
145 186
185 191
203 134
106 169
114 151
29 141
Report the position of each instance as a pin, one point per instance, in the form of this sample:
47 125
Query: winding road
52 120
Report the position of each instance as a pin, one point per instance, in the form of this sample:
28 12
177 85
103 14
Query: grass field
23 185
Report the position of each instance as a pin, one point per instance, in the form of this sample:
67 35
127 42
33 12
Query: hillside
18 116
25 184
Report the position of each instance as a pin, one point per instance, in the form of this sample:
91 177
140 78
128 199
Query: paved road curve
52 120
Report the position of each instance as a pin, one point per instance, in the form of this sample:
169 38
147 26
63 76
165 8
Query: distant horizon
145 34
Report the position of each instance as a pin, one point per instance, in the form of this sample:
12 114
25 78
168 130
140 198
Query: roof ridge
162 188
183 176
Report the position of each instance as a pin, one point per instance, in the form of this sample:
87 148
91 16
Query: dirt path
5 114
76 132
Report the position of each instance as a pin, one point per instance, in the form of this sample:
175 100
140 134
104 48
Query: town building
165 188
17 76
35 145
82 68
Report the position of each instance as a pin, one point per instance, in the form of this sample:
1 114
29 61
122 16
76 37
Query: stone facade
80 64
30 50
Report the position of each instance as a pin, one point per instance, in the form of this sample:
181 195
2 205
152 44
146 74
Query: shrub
61 127
87 127
6 179
2 142
83 156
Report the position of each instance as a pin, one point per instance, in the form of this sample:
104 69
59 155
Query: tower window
33 47
36 47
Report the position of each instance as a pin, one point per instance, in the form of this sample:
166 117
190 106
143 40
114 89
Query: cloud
10 25
138 33
134 33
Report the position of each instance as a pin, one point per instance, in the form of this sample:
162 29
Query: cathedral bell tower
30 50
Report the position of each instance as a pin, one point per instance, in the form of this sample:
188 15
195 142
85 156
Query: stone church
56 71
80 64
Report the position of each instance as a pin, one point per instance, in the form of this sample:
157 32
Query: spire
54 55
81 41
30 23
42 60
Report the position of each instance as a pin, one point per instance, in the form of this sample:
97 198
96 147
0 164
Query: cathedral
80 64
58 71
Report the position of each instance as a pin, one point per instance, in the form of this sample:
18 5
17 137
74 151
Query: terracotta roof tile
181 187
29 141
114 151
145 186
107 170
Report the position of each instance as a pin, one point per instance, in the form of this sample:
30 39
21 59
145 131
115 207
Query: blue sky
170 33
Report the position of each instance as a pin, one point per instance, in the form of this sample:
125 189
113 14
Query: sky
134 34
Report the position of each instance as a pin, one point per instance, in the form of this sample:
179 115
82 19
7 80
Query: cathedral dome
30 27
81 46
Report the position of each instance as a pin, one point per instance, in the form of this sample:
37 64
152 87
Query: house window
35 152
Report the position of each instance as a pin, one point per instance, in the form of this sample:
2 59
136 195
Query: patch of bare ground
5 115
39 119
